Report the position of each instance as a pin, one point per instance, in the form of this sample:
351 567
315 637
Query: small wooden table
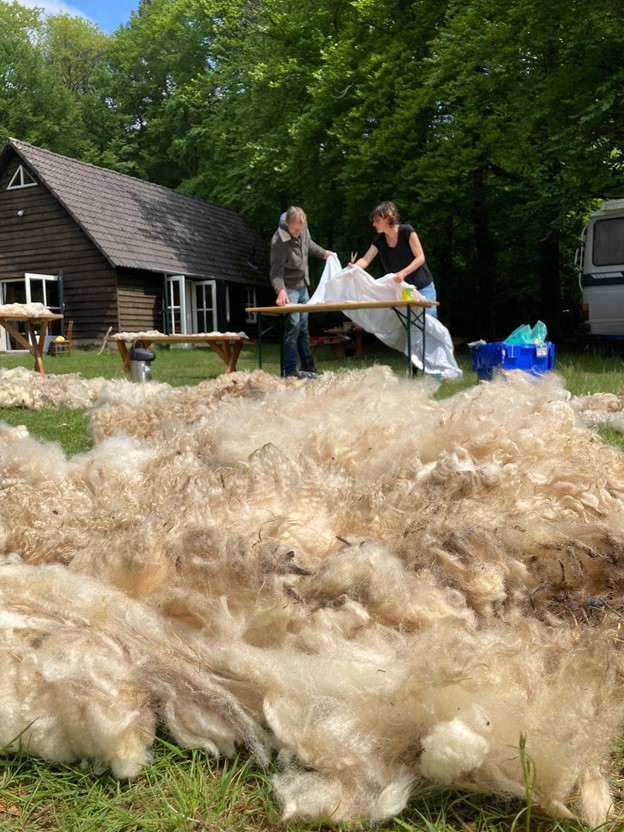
37 341
402 308
227 347
355 332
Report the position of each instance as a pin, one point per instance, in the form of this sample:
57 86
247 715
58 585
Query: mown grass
185 790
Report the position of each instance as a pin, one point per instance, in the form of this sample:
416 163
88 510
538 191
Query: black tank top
397 258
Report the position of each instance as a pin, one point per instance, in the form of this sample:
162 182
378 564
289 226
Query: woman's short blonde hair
296 215
386 211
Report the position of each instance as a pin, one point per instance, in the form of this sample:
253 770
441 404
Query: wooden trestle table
410 313
227 346
38 321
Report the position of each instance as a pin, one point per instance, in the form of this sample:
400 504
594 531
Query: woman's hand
282 298
397 278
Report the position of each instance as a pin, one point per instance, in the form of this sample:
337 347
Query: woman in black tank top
400 251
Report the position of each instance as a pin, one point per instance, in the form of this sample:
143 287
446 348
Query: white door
32 288
205 306
176 305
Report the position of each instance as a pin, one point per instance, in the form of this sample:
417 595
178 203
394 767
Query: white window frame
29 277
26 180
208 287
172 280
250 300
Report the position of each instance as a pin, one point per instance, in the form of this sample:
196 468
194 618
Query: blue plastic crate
532 358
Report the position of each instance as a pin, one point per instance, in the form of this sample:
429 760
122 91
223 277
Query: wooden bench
337 344
226 345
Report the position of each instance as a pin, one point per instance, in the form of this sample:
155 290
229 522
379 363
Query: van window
608 242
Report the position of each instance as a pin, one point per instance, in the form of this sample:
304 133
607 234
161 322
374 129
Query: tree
518 89
74 47
154 86
264 149
34 104
491 124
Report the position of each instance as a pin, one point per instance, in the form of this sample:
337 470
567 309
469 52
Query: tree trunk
444 260
550 286
486 256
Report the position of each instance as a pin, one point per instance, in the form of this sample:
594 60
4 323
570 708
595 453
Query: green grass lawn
186 790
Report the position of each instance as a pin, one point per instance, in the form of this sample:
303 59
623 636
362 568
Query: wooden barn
109 250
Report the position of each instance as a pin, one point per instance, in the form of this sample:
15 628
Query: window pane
53 300
609 242
36 291
15 292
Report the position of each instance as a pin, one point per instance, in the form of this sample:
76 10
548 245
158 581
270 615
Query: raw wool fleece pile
33 391
598 409
386 591
155 333
29 310
143 410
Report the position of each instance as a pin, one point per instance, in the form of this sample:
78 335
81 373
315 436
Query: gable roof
140 225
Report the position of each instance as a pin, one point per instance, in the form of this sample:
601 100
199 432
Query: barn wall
265 296
46 240
140 300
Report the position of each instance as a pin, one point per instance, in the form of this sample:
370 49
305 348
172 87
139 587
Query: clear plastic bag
528 335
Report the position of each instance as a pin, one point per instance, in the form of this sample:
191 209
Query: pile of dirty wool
30 390
598 409
387 593
28 310
142 410
154 333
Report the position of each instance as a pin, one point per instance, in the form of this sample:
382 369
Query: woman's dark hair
386 210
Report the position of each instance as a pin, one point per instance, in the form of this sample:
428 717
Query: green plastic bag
526 335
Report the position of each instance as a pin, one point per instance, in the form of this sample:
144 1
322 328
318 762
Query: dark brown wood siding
46 240
140 300
97 295
264 296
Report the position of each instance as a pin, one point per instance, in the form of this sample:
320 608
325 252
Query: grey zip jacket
289 259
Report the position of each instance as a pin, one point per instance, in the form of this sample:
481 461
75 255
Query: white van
600 261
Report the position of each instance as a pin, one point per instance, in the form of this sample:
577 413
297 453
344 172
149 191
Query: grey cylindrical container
141 363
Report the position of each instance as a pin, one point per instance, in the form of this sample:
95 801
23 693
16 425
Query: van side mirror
578 259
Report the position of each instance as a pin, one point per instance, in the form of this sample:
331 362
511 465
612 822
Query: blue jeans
429 292
296 340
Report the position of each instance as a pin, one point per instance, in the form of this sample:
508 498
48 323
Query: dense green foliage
494 126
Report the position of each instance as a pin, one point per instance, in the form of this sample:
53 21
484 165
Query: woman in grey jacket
290 246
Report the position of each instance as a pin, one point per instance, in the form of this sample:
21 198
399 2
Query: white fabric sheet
354 284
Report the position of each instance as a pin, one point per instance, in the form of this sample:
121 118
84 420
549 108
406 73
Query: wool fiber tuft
385 593
33 391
